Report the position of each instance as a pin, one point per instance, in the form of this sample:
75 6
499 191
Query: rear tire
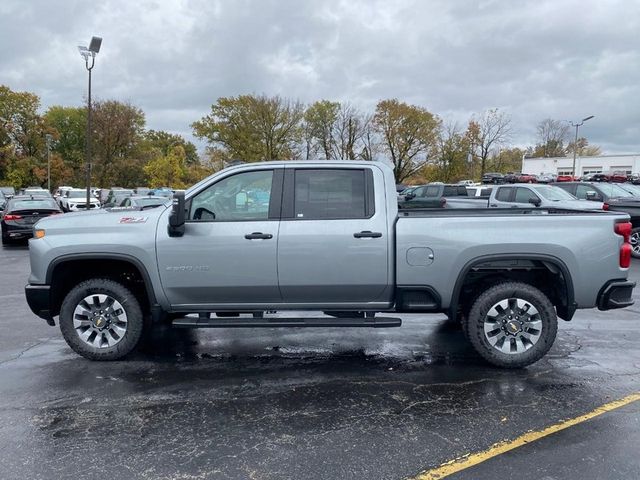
635 242
512 325
88 300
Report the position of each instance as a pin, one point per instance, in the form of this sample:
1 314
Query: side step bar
195 322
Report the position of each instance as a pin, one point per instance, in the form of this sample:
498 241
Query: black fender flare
565 312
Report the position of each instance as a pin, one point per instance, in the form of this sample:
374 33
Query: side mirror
534 201
177 217
409 196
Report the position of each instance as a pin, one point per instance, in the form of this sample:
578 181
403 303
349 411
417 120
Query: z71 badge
133 219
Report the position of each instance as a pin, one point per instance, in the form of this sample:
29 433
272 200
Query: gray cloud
534 59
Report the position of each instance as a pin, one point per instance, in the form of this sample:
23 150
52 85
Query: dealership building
629 163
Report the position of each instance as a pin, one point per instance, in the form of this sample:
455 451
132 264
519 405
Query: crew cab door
334 245
228 253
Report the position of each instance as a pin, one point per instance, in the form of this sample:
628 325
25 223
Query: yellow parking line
469 460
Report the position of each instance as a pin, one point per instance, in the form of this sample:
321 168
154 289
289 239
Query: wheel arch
68 270
565 302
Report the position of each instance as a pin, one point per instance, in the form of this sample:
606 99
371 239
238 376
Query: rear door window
524 194
503 194
329 194
432 191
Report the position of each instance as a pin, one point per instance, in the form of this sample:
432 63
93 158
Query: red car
527 178
618 177
565 178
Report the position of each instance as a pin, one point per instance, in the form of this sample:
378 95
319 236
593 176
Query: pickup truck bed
323 236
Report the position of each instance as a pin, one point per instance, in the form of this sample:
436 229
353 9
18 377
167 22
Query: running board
194 322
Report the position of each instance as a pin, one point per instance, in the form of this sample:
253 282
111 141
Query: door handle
367 234
258 236
493 205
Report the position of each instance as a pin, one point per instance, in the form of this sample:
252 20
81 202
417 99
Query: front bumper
38 298
616 294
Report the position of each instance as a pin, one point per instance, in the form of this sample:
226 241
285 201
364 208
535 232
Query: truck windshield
554 194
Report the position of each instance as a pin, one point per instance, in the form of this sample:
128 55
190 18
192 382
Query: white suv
75 199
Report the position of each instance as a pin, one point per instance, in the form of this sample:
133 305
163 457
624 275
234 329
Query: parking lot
313 403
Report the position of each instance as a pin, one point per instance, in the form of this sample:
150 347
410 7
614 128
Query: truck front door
228 253
334 245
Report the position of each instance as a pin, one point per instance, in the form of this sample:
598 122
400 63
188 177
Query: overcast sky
533 59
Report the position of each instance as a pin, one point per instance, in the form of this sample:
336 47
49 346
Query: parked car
36 191
511 177
162 192
467 183
565 178
8 191
331 240
59 192
144 201
527 178
618 176
547 177
3 200
116 196
75 200
20 215
616 198
492 177
141 190
432 195
526 195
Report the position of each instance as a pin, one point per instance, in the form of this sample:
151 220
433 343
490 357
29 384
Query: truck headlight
38 233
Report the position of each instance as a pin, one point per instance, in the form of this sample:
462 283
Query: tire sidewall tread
501 291
135 320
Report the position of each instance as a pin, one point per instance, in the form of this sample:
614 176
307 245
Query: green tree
165 141
253 128
118 153
70 125
168 170
452 154
409 135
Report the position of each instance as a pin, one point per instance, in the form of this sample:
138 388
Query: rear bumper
616 294
38 298
18 233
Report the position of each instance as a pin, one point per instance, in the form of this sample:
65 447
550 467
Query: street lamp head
84 51
588 118
94 46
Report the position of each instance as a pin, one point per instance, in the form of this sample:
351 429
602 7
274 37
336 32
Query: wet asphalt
310 403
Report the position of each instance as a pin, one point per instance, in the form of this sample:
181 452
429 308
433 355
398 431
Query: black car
510 177
21 213
493 177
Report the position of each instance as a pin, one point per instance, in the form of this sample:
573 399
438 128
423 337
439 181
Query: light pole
48 138
575 143
89 55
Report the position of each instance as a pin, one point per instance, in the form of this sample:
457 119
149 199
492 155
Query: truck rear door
333 246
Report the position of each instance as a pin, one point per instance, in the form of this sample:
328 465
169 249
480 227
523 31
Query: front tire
101 319
635 242
512 325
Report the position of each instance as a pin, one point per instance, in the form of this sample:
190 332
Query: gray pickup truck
525 195
324 237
